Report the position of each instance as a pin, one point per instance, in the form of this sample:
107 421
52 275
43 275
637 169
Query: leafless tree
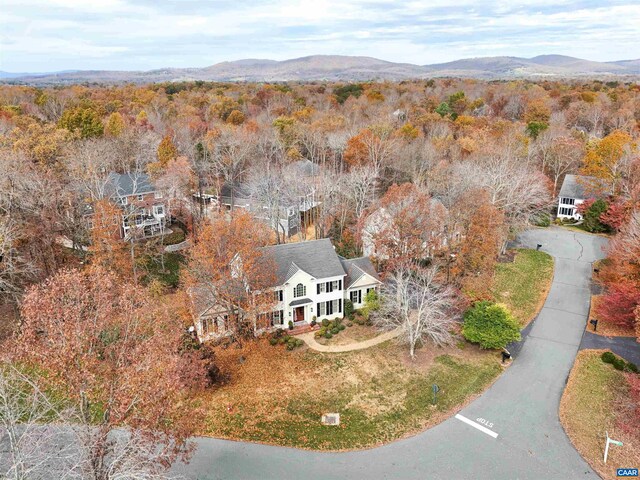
360 182
413 302
31 435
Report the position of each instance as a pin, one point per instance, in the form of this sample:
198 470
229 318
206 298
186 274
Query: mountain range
345 68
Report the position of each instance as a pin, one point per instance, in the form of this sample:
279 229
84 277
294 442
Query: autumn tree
607 158
85 121
227 269
480 248
167 151
115 125
107 249
115 354
621 277
407 227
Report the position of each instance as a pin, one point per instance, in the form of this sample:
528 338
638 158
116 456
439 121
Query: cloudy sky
51 35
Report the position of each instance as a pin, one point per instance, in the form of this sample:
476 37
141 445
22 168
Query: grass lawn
171 274
278 396
523 284
588 409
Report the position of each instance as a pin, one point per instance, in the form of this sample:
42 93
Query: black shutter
339 305
318 289
318 308
340 284
329 287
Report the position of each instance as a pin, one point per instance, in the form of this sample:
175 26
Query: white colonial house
312 283
574 191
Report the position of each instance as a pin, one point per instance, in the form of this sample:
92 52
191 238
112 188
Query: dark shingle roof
355 268
306 168
316 257
125 184
582 187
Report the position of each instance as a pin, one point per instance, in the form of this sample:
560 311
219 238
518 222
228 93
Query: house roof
240 191
582 187
316 257
300 301
356 268
125 184
306 168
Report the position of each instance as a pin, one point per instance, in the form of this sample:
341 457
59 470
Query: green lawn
171 274
380 397
522 285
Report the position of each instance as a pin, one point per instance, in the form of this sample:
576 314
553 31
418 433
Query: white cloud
63 34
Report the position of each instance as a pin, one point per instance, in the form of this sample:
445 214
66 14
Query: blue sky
49 35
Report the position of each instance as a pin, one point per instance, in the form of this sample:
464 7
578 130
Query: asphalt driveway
522 437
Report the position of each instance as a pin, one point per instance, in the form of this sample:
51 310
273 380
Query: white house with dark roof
574 191
312 283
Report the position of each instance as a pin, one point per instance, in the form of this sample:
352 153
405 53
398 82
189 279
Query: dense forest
458 167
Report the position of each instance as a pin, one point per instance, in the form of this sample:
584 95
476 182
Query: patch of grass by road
523 284
277 396
590 406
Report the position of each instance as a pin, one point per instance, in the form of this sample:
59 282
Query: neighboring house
379 220
312 283
144 212
574 191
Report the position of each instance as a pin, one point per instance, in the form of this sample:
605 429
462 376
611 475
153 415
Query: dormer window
299 291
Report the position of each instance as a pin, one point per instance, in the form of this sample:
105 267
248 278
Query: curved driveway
522 407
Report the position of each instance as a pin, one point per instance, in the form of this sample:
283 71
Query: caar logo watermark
627 472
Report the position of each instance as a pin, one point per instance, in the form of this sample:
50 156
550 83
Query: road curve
522 407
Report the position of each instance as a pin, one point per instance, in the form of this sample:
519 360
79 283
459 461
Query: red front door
298 315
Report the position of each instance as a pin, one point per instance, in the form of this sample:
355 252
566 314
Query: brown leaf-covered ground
278 396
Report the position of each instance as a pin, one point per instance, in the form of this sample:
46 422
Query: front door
298 315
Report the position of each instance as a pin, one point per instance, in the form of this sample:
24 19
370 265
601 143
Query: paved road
627 347
522 406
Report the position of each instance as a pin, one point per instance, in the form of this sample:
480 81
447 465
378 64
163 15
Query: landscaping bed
278 396
596 401
523 284
607 329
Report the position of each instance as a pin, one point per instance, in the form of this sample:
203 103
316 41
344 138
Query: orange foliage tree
605 158
410 225
115 356
228 269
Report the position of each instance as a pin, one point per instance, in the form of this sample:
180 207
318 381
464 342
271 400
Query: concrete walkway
626 347
522 436
310 340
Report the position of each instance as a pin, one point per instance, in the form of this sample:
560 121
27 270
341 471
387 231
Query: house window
140 197
123 200
321 308
329 307
158 210
568 201
299 291
278 295
565 211
356 296
157 195
370 289
321 288
277 317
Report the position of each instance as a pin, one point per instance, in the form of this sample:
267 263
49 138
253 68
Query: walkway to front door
298 314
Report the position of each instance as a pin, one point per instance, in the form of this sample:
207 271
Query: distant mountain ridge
346 68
